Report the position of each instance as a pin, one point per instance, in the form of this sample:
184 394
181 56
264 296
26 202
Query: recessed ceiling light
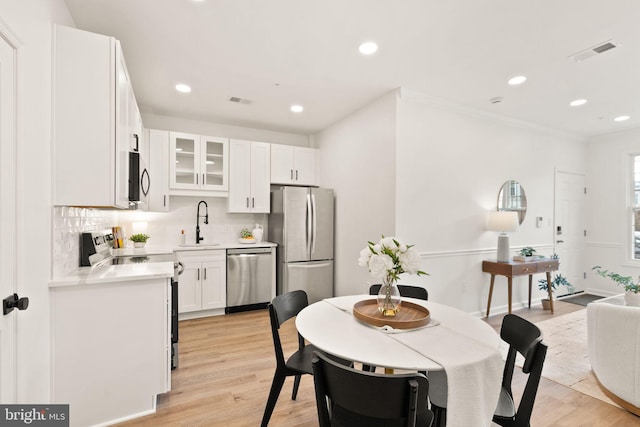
621 118
578 102
297 108
514 81
180 87
368 48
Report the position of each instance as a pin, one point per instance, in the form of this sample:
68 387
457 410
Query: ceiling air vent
595 50
239 100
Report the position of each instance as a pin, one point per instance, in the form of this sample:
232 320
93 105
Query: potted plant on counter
631 288
139 240
558 280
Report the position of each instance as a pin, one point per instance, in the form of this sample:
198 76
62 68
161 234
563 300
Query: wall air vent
595 50
239 100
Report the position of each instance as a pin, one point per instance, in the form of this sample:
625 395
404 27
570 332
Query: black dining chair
346 397
523 337
282 308
407 291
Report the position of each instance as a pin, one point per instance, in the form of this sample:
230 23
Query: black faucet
206 220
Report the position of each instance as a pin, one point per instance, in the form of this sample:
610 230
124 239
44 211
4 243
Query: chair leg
276 387
440 416
296 384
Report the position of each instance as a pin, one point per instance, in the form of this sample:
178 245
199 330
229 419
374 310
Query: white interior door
8 359
569 228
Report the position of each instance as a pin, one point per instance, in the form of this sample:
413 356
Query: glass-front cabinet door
214 162
198 162
184 160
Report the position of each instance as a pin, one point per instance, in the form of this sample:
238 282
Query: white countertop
147 250
114 273
236 245
142 271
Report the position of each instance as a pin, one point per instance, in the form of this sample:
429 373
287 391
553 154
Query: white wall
451 163
357 160
429 172
31 21
607 198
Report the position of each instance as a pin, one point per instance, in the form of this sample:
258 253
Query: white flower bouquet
389 258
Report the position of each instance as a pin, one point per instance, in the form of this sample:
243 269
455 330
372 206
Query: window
635 208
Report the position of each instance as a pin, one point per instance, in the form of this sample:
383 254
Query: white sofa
614 351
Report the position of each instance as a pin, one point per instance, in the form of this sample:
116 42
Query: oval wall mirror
513 198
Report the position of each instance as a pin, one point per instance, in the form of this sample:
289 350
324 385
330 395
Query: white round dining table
466 347
330 326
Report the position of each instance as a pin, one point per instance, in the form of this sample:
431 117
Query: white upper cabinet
249 176
198 163
96 121
158 143
293 165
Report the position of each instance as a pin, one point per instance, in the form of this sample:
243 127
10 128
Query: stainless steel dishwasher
249 278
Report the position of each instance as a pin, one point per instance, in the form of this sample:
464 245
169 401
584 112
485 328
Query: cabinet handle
296 174
247 202
205 274
135 136
198 274
196 178
203 179
164 200
292 174
145 173
253 202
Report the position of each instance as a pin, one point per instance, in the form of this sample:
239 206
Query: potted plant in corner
139 240
558 280
631 288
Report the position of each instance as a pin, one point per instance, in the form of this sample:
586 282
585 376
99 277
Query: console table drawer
547 266
521 269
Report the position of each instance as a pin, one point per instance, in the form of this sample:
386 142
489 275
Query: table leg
550 291
509 291
493 278
530 283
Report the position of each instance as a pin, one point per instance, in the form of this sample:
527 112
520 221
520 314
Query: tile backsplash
68 223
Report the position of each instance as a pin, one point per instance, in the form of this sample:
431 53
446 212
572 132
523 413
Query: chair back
359 398
282 308
525 338
405 291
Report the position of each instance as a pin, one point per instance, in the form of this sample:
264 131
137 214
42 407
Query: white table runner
474 369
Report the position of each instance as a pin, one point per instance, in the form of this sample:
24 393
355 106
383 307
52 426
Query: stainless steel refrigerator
301 223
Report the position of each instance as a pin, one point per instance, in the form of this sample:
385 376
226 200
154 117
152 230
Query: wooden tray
410 315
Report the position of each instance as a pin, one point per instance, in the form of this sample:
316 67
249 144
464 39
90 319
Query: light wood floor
227 364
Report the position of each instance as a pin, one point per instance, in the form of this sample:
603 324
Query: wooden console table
520 268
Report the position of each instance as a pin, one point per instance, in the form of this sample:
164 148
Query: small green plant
246 233
558 280
625 281
527 251
139 238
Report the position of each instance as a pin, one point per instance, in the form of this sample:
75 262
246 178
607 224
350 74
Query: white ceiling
280 52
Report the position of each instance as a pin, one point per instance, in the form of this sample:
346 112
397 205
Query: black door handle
13 301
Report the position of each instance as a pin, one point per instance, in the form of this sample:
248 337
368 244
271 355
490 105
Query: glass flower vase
389 298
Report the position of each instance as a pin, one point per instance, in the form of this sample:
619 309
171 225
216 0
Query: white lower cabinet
202 287
111 349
